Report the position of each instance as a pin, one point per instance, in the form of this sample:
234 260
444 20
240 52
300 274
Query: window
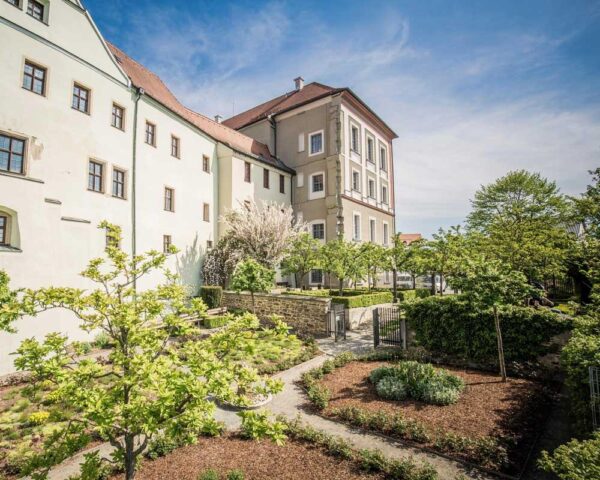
36 10
12 151
318 183
281 183
205 164
247 170
209 245
95 177
316 276
354 139
166 243
266 178
118 183
315 141
356 180
16 3
247 204
206 212
383 159
371 189
318 231
111 241
174 146
356 226
118 117
3 230
370 150
169 199
384 194
81 98
151 134
34 78
386 234
372 227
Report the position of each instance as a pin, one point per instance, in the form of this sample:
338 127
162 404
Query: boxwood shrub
364 300
405 295
211 295
217 321
450 325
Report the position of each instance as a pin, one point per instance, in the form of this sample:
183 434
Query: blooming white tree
263 231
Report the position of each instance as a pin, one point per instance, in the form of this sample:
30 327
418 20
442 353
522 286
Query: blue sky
473 88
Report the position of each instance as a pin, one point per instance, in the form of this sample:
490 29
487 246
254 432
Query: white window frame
353 125
385 198
383 148
319 222
310 277
386 234
313 134
359 189
373 159
316 194
372 229
374 183
355 237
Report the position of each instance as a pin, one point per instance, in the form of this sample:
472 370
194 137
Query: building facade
343 158
87 134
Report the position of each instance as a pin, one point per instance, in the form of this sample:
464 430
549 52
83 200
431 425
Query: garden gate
336 321
389 327
595 395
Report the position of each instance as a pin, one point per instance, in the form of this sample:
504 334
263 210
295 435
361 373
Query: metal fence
389 328
595 395
336 322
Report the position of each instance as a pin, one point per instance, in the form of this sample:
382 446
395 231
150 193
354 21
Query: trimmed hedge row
581 352
405 295
216 322
452 326
364 300
211 295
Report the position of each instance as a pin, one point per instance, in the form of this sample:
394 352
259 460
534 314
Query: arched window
9 231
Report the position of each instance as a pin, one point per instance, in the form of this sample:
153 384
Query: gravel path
292 402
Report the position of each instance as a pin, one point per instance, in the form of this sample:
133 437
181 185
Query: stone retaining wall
305 314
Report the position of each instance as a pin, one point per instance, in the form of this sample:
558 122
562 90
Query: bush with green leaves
575 460
251 276
102 340
235 475
211 295
451 325
217 321
365 300
209 475
414 294
256 425
420 381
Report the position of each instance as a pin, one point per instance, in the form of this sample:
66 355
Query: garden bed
263 460
493 424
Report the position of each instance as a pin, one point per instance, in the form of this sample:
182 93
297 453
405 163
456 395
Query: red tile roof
154 87
296 98
309 93
408 238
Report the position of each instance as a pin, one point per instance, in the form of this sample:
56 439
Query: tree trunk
433 292
129 458
414 280
341 280
441 284
500 344
395 285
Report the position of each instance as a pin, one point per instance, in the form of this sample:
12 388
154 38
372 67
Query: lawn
493 424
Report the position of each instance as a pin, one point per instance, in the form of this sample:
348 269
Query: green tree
339 257
522 218
576 460
147 386
301 258
416 260
489 285
395 259
372 258
9 311
251 276
445 254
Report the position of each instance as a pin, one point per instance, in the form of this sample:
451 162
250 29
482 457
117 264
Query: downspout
138 93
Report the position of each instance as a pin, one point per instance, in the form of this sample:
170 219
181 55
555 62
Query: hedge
216 322
211 295
364 300
581 352
405 295
451 326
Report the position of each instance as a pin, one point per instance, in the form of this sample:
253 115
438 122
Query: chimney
299 81
218 118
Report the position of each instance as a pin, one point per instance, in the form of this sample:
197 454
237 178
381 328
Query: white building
87 134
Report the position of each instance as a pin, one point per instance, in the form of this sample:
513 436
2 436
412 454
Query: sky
474 89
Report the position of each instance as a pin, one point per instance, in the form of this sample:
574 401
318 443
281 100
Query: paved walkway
292 402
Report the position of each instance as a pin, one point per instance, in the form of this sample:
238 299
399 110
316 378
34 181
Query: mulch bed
509 411
258 460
